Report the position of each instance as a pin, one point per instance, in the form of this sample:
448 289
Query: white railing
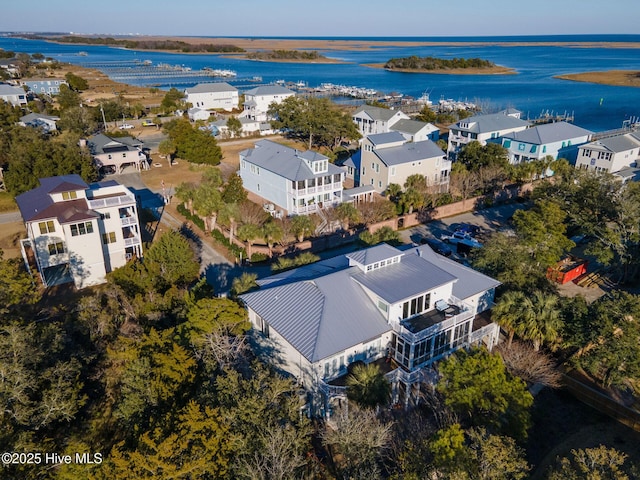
477 335
332 390
111 201
304 191
124 221
128 242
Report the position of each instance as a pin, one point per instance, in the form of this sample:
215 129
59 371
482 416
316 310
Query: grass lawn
7 203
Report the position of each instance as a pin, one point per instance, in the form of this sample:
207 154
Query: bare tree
523 361
220 349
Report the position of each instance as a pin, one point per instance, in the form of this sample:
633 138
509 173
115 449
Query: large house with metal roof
14 95
557 140
39 120
610 154
78 232
214 95
387 158
297 182
483 129
112 155
404 309
258 100
373 120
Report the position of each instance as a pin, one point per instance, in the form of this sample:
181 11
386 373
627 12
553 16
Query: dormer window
69 195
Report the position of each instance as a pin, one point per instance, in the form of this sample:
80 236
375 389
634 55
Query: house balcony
301 192
125 221
111 201
417 328
131 241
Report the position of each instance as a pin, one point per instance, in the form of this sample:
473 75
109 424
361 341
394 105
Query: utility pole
104 121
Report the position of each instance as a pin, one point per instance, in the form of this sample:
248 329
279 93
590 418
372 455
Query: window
47 227
258 187
460 334
521 147
416 305
379 183
105 216
243 164
56 248
373 166
441 343
124 155
393 171
69 195
533 148
372 181
81 229
108 238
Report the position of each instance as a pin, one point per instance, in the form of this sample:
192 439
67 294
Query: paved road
10 217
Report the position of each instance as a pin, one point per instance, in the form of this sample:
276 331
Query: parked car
148 123
461 238
438 246
126 126
469 229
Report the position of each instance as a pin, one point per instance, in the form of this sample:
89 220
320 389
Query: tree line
286 55
178 45
432 63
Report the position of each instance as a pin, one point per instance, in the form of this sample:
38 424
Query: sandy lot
10 236
623 78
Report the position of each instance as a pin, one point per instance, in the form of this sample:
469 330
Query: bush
259 257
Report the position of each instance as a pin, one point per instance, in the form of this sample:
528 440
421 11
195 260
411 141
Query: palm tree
541 318
167 147
508 312
186 192
272 233
248 233
243 283
368 387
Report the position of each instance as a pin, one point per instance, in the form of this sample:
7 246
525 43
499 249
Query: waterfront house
39 120
483 129
555 140
258 100
196 114
49 86
372 120
405 309
610 154
211 96
78 232
16 96
416 131
294 181
112 155
389 158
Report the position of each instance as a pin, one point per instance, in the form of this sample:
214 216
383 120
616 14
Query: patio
430 318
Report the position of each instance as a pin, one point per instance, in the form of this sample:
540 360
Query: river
533 89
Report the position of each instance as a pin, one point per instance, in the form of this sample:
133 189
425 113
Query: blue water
532 90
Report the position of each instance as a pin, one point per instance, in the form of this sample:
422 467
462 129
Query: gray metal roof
37 204
490 123
30 117
618 143
352 192
269 90
369 256
387 137
470 282
101 143
411 126
376 113
285 161
321 309
211 87
10 90
409 152
548 133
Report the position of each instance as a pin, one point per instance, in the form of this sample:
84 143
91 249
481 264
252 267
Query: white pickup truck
461 238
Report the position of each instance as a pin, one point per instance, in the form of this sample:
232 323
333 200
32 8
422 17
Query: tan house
389 158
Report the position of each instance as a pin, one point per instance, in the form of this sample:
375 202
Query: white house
610 154
389 158
371 120
195 114
215 95
258 100
412 307
297 182
558 140
112 155
78 232
14 95
39 120
483 129
416 131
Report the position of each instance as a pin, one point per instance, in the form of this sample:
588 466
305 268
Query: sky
322 18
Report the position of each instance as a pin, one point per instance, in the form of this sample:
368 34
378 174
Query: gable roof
412 126
101 143
6 90
322 309
376 113
388 137
409 152
269 90
211 87
285 161
37 204
30 117
548 133
617 143
490 123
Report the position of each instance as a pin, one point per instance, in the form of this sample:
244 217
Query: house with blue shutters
403 309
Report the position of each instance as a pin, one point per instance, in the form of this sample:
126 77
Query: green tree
507 312
193 144
67 98
540 318
249 233
235 126
79 120
426 115
272 233
474 156
76 82
243 283
172 260
167 147
599 463
368 387
207 200
186 192
171 100
348 213
17 288
477 386
302 226
233 191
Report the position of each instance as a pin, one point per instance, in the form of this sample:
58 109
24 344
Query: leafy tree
249 233
384 234
235 126
193 144
172 260
67 98
507 312
477 386
233 191
368 387
474 156
272 233
315 119
244 283
348 213
76 82
79 120
17 289
426 115
171 100
167 147
186 192
540 319
597 463
207 200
